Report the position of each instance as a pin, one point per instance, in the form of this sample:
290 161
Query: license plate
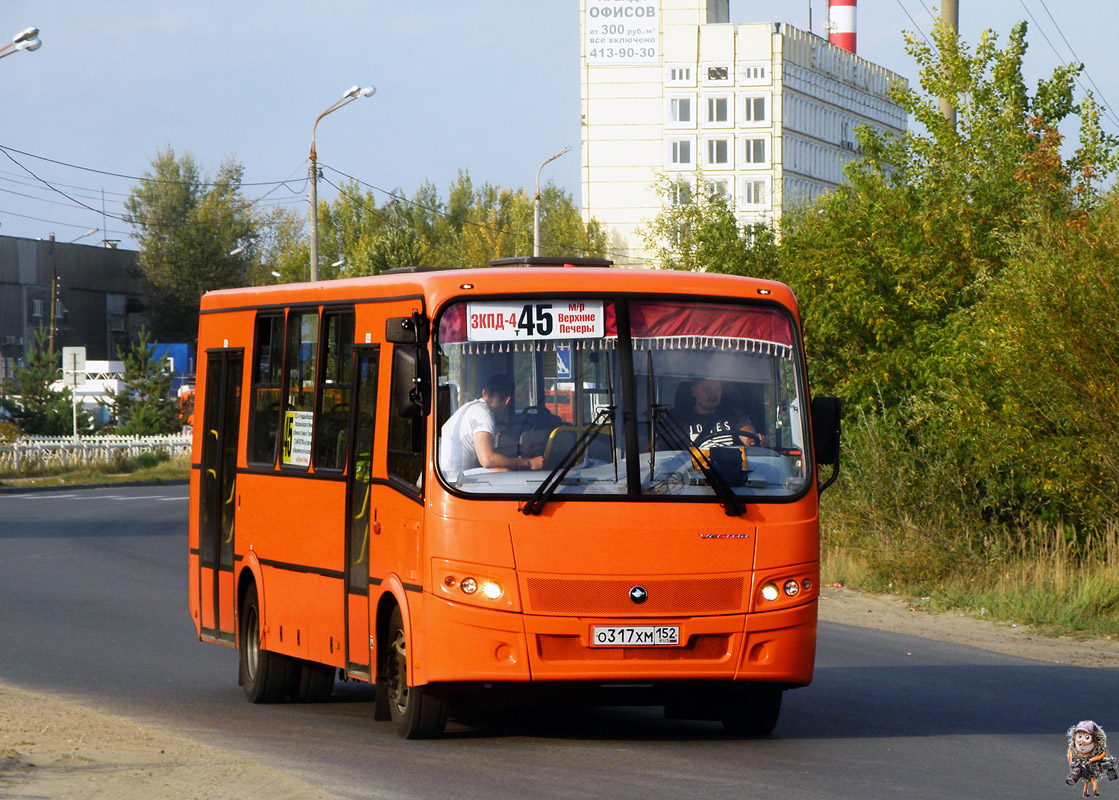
635 635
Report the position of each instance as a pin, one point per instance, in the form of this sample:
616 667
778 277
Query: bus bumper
465 643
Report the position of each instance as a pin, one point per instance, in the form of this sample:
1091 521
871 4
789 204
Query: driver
711 424
468 436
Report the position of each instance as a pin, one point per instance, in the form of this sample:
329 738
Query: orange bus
659 544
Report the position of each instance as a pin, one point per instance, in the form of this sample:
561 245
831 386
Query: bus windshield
663 397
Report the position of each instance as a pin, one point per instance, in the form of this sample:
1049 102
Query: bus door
360 519
218 495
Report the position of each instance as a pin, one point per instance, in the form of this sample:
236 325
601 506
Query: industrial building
99 299
765 112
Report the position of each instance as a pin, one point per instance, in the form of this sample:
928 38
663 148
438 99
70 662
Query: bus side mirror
826 414
407 330
411 382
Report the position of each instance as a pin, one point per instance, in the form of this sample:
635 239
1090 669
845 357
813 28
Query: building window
716 73
754 73
756 150
679 153
679 75
718 110
116 323
755 192
36 307
755 109
718 187
717 152
680 112
679 193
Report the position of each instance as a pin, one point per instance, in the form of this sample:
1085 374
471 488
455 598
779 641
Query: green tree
187 227
143 402
923 225
36 408
474 225
698 231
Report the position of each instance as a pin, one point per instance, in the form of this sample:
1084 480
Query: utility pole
950 16
54 292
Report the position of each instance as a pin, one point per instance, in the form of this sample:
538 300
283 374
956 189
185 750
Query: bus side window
267 369
406 440
334 389
301 356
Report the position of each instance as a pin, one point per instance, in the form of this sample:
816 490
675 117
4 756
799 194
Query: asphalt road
93 604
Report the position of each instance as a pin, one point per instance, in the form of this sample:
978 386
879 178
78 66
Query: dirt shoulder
897 615
63 749
50 747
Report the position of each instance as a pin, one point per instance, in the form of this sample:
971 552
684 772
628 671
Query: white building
766 112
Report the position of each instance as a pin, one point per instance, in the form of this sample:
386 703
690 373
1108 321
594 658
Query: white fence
39 452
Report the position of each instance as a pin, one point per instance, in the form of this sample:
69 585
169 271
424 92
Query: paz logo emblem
638 594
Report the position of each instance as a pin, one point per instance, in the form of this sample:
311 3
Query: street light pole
536 203
27 39
353 93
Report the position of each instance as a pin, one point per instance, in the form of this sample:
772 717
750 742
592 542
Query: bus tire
416 712
311 682
265 676
752 711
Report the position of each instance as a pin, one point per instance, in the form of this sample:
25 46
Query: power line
1088 75
5 149
915 25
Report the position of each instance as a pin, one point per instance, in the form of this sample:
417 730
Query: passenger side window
267 369
334 389
406 442
299 387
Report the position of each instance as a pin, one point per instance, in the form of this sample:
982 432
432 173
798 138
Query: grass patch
146 467
1047 579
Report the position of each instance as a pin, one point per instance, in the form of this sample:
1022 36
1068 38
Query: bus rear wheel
265 676
311 682
416 712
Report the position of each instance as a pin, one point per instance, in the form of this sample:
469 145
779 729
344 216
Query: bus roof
438 286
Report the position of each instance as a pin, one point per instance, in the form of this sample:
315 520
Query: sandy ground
55 748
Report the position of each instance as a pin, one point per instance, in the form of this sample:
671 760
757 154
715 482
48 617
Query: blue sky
491 86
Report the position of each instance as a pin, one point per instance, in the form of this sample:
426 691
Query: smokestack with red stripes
841 24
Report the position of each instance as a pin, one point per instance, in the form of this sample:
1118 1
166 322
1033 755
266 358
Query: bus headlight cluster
489 589
791 588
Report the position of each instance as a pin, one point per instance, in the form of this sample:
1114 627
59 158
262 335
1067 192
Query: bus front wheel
752 711
416 712
265 676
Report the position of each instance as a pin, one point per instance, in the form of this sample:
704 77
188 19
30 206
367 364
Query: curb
69 486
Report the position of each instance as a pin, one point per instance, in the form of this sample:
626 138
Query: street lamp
353 93
24 40
536 203
90 232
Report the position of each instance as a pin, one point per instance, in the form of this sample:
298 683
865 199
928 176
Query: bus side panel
192 549
295 525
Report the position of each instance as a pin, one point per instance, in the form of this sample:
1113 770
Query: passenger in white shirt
467 438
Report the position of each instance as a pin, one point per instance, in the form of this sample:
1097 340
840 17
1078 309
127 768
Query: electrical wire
1107 106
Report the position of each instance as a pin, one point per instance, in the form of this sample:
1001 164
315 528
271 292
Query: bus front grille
612 596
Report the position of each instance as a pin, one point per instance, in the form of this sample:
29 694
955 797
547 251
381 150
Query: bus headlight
792 588
491 587
769 592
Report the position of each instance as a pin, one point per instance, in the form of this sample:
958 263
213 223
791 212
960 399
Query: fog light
450 581
769 591
806 583
491 590
468 586
792 588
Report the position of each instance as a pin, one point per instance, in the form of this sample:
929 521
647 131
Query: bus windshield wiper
554 478
677 439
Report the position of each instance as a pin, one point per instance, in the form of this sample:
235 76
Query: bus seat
563 438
